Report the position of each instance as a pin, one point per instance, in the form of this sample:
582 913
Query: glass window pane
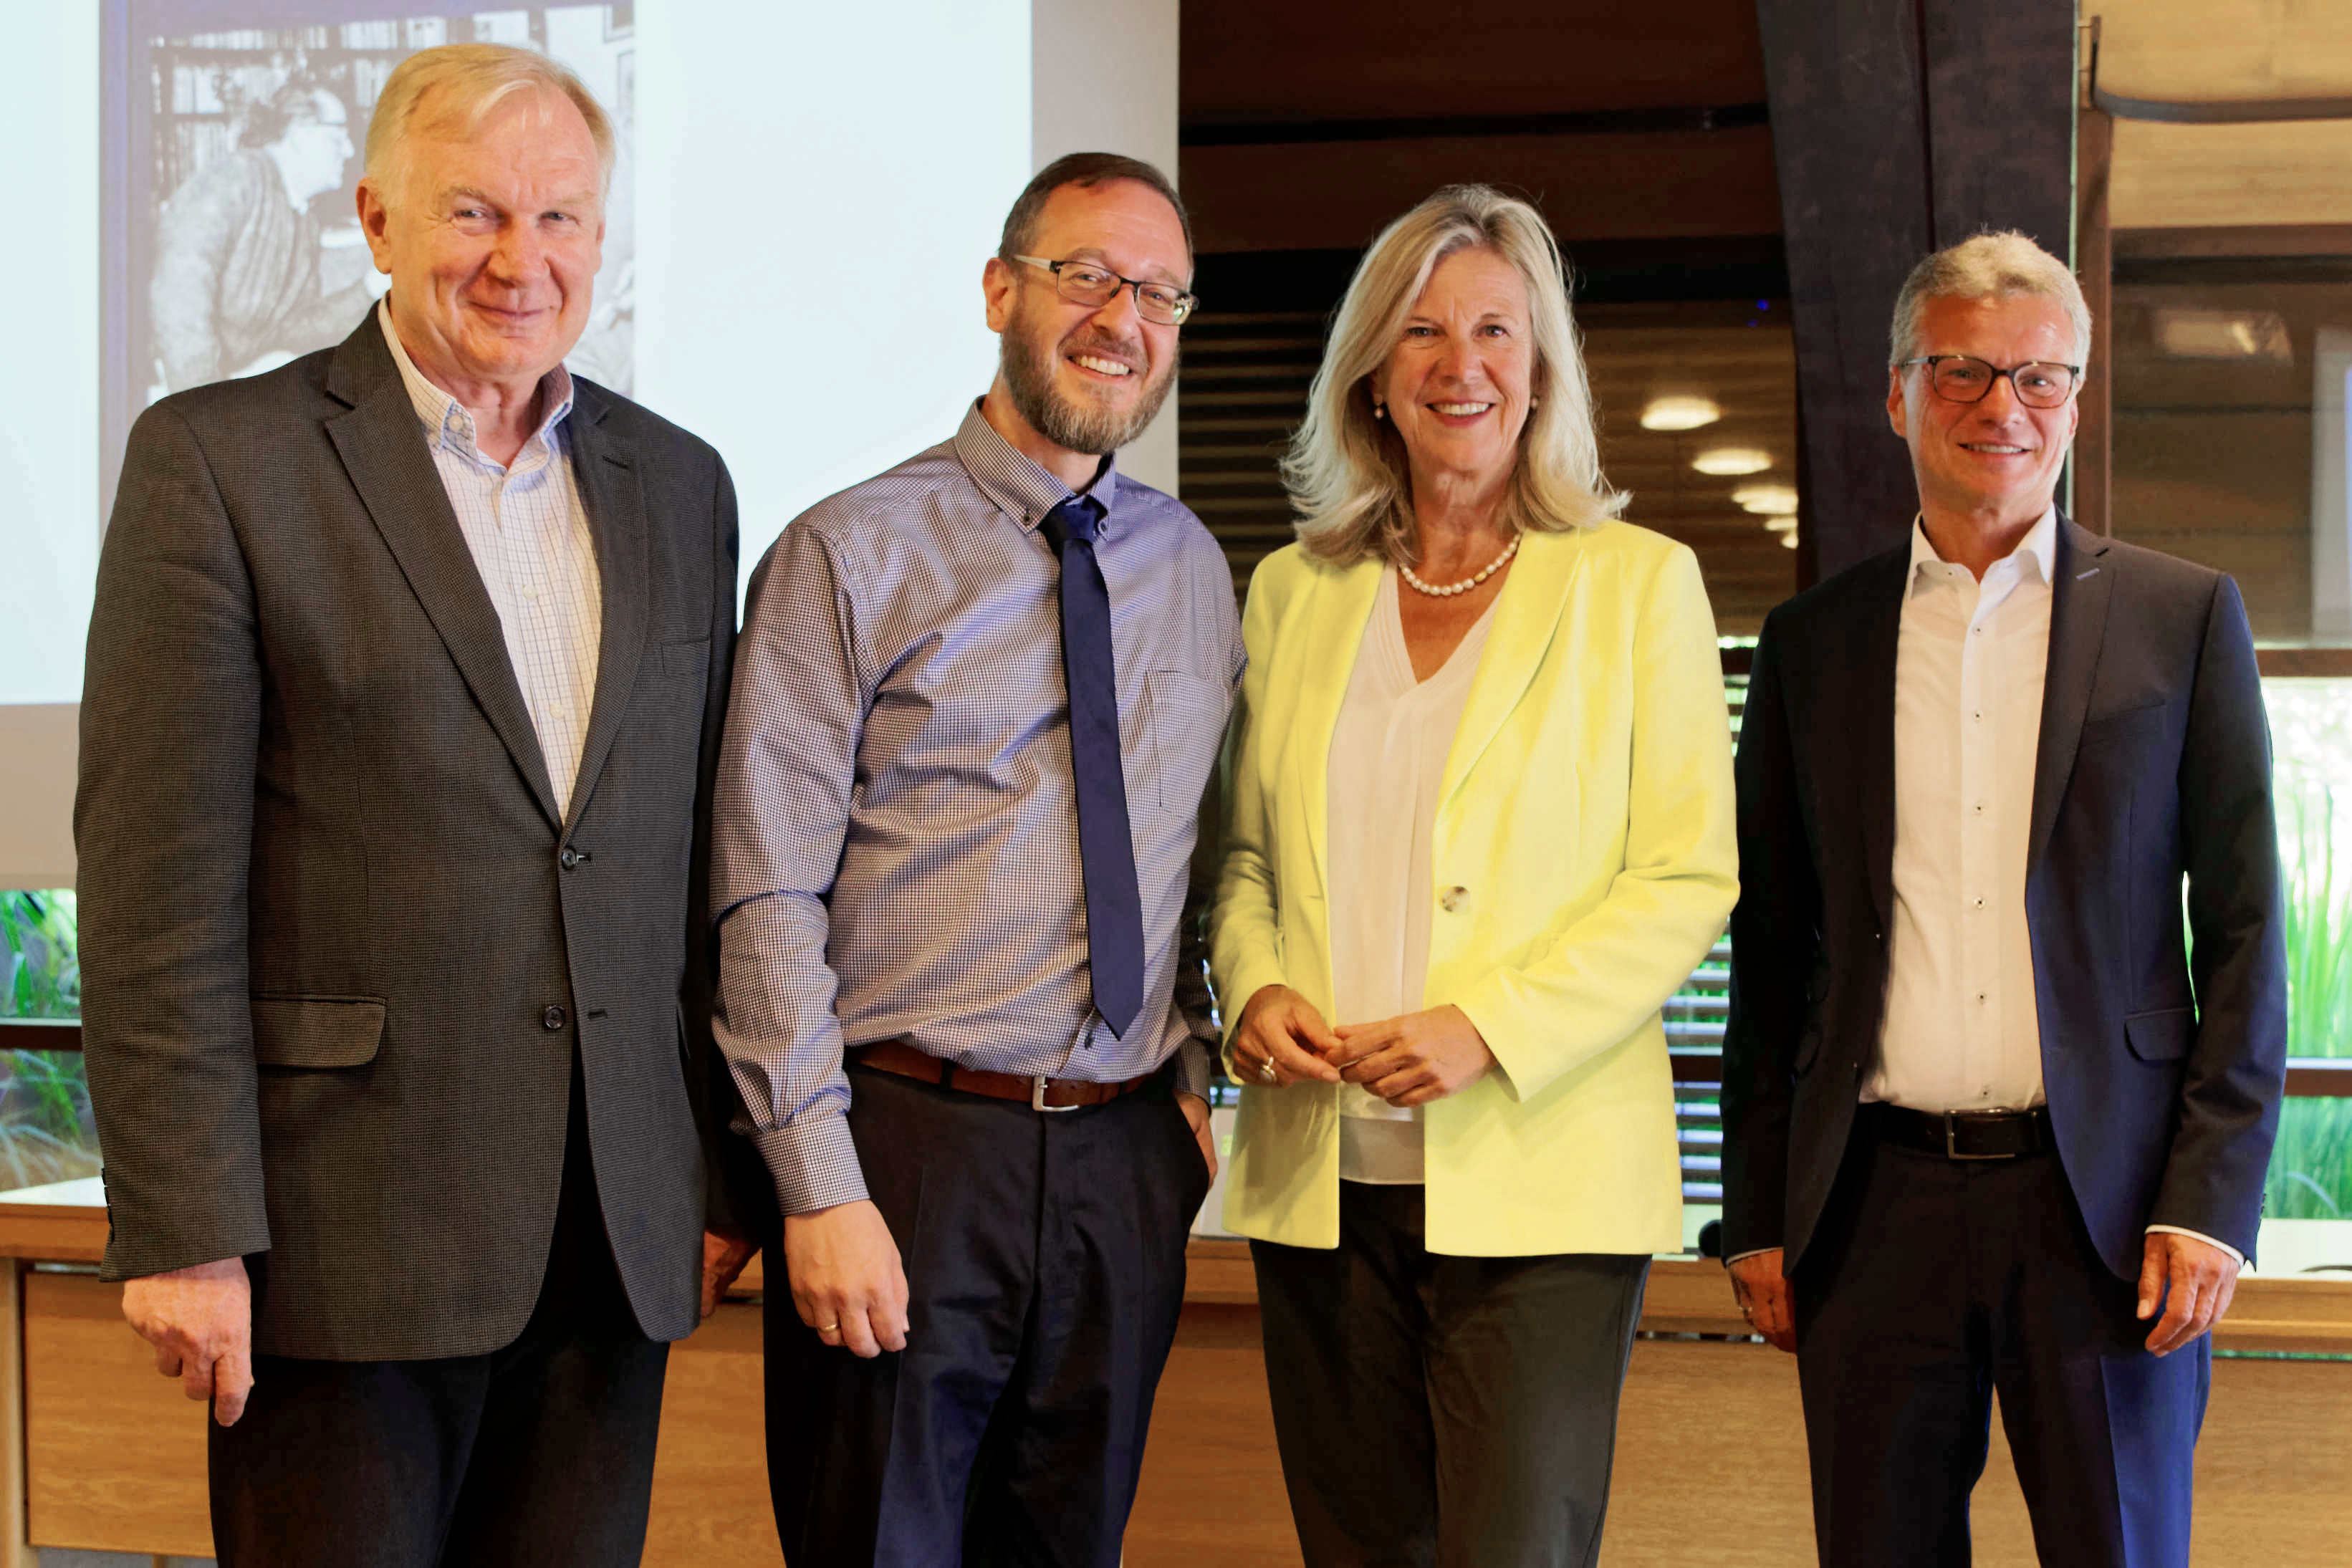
2230 433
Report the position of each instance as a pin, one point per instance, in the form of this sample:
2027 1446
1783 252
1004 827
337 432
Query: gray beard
1028 369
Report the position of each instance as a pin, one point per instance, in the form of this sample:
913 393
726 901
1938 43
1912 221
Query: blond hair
463 82
1992 265
1346 471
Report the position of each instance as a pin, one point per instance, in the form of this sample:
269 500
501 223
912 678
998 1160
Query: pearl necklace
1467 583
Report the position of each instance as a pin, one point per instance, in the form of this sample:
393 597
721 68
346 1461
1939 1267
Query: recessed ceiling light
1772 500
1789 539
1679 412
1732 460
1780 524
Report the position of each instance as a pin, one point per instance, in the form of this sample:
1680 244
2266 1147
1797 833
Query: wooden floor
1710 1461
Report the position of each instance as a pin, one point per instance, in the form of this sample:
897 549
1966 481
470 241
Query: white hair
1988 266
1346 471
462 83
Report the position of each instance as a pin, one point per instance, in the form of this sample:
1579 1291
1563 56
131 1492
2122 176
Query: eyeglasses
1084 283
2038 384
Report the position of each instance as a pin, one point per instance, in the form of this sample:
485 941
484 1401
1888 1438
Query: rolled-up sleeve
785 776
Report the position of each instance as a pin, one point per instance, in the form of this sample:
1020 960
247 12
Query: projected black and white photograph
235 131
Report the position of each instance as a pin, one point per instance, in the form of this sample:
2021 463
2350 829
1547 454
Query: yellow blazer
1585 862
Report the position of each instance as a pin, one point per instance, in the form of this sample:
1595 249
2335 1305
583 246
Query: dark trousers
1044 1252
1434 1410
540 1453
1931 1284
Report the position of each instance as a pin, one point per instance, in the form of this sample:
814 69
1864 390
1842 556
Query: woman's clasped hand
1407 1061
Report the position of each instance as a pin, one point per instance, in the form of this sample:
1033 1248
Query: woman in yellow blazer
1479 830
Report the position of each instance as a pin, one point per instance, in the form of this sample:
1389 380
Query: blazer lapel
1526 613
605 466
2083 585
383 450
1868 717
1331 634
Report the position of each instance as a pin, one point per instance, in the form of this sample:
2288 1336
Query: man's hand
200 1321
1196 1111
1413 1060
723 1258
1764 1298
2192 1280
846 1277
1282 1028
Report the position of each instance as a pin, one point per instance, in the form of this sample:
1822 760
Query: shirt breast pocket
1187 719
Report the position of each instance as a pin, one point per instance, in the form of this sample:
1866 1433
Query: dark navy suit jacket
2163 1057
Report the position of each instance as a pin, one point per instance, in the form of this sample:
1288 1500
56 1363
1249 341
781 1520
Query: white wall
1103 79
48 432
818 189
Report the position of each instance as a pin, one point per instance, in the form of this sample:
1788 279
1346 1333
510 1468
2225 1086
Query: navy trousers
1932 1284
1045 1254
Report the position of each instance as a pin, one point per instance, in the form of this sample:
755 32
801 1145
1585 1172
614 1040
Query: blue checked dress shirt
896 847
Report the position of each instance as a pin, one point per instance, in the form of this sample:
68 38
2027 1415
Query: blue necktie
1105 846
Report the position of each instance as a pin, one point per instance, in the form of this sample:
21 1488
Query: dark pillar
1899 126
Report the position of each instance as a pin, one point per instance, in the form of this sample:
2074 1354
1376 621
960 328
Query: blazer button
1453 899
569 858
552 1020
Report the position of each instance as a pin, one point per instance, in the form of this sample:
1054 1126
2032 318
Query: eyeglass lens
2038 385
1091 286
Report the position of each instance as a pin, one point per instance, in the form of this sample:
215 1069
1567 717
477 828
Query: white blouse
1387 764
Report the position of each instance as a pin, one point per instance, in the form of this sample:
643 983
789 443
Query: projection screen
805 196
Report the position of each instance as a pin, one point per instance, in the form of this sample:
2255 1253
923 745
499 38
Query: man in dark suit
405 687
1988 1110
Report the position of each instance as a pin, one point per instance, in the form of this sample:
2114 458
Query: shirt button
1980 902
1453 899
553 1019
1976 631
1979 807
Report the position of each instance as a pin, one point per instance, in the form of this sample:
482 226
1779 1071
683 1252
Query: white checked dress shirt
528 534
1962 1030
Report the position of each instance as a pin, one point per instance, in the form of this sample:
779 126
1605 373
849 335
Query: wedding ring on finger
1266 1069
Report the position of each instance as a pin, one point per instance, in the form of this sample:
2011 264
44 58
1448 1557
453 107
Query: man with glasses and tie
960 988
1998 1100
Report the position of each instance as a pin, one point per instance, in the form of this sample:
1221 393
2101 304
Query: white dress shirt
1388 763
529 533
1961 1029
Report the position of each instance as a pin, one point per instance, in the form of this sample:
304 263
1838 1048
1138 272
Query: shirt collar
1021 489
2038 549
447 422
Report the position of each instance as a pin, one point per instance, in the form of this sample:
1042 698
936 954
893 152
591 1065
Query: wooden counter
1710 1466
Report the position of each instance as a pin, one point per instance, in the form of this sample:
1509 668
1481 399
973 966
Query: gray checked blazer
338 949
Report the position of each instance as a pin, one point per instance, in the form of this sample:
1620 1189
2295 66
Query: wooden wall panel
2198 176
2190 50
1311 195
1389 60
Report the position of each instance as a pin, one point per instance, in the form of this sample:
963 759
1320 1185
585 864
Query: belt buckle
1037 1081
1952 1143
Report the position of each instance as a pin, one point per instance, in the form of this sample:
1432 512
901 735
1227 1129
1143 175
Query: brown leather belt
1041 1093
1963 1135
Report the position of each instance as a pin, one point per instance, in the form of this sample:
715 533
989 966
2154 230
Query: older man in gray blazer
403 701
